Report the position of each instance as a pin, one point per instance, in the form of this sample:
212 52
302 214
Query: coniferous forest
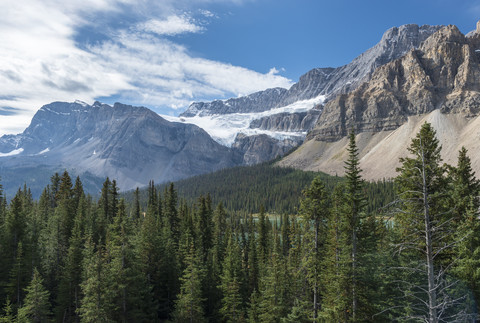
347 251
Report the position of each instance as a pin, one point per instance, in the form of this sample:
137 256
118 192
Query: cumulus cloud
41 60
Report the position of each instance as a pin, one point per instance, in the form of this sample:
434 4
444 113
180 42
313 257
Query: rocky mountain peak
395 42
442 74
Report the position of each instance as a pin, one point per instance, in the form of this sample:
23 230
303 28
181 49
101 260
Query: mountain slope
439 82
130 144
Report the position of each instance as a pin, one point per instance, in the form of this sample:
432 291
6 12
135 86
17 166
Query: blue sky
164 54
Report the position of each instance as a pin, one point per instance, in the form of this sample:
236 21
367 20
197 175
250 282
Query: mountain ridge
438 83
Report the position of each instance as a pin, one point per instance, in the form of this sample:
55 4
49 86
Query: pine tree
128 287
274 286
231 279
424 224
69 293
465 194
36 307
97 303
336 263
314 209
170 208
136 204
263 248
355 202
9 315
189 303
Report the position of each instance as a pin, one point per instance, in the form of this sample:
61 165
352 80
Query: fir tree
424 224
314 209
231 280
189 304
36 307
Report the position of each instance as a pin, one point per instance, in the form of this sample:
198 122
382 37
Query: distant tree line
70 258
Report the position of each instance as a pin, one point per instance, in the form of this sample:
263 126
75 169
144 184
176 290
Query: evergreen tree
136 204
424 224
274 286
314 209
231 281
69 294
170 211
8 313
129 289
263 248
36 307
97 304
355 204
467 224
189 304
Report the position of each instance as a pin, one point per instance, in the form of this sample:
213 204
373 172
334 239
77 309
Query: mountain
395 42
439 82
130 144
282 114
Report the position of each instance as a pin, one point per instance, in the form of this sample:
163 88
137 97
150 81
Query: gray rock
256 102
395 43
131 144
442 74
288 122
262 148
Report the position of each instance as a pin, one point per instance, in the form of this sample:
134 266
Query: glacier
223 128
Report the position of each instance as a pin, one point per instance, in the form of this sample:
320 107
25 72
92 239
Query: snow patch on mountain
223 128
12 153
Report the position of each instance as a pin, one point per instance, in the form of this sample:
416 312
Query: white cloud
173 25
41 62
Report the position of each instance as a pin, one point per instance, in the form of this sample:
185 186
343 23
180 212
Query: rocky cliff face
131 144
442 74
288 122
395 43
438 83
262 148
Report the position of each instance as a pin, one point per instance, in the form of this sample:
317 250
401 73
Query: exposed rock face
256 102
262 148
442 74
131 144
288 122
437 83
395 43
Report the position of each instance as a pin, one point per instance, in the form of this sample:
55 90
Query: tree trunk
432 293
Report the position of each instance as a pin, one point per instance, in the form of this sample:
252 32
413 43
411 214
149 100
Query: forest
352 251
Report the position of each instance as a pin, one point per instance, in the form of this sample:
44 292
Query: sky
165 54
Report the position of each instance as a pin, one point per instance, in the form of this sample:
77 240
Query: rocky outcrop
395 43
442 74
262 148
438 83
288 122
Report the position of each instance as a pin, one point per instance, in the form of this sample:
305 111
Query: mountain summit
131 144
439 82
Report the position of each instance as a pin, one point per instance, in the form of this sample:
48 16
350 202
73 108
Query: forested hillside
247 188
68 257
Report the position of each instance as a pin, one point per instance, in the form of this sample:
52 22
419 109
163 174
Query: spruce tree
314 208
189 303
36 307
355 204
424 223
231 280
